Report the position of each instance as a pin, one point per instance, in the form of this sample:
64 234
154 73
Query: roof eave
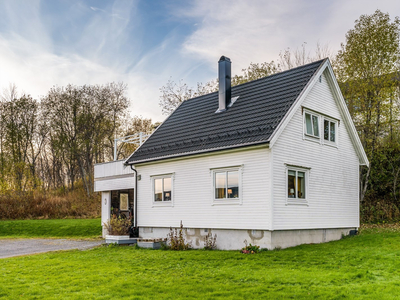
204 151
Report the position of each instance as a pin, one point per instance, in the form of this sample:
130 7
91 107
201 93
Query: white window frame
307 135
162 176
328 142
297 201
321 123
224 201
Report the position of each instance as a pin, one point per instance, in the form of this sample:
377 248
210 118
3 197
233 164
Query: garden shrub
176 240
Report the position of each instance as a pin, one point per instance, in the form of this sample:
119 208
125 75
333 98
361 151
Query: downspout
135 201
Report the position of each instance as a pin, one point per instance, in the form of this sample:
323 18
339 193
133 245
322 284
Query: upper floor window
312 124
330 130
320 128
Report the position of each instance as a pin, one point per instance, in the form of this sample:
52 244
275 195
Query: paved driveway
11 247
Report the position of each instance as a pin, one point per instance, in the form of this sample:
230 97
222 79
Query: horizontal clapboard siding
113 176
114 184
193 192
114 168
333 181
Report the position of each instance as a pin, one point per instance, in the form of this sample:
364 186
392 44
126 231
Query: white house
274 161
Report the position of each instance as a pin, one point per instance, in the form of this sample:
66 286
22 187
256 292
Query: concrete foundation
120 239
235 239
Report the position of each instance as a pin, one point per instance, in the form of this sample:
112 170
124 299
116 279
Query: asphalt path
18 247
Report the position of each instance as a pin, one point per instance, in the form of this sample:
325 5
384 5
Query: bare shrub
210 241
176 240
118 226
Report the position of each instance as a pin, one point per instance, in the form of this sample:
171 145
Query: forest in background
48 147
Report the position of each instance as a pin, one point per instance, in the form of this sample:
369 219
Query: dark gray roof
194 127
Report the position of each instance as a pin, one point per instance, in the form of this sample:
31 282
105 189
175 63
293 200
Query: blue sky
145 43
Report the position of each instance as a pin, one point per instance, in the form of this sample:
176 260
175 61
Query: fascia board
296 105
346 117
203 153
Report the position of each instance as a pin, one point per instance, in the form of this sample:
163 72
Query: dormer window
311 124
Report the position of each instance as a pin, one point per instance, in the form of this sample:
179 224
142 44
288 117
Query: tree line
55 142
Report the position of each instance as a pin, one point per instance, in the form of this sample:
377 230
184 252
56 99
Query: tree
255 71
21 139
130 126
289 59
366 67
173 94
82 119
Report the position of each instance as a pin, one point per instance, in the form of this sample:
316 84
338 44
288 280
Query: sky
144 43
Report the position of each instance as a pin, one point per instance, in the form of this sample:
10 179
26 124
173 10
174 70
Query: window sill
227 202
312 139
162 204
330 144
291 201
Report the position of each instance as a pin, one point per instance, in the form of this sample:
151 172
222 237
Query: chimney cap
224 58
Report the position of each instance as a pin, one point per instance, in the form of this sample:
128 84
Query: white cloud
35 70
256 31
101 54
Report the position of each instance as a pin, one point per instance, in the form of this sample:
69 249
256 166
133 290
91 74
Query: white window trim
162 203
305 134
326 142
297 201
227 201
321 118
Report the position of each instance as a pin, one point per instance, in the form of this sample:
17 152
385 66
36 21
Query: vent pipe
224 77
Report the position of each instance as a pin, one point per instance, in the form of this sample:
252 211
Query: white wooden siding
114 184
333 177
113 168
113 176
193 192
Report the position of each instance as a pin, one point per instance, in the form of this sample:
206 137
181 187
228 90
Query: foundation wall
234 239
290 238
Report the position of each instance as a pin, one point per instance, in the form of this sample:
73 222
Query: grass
365 266
63 228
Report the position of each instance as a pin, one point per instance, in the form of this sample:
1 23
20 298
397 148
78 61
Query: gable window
162 189
320 128
330 130
296 185
311 124
227 185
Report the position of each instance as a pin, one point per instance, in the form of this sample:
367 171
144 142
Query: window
296 185
162 189
311 124
227 185
314 123
329 131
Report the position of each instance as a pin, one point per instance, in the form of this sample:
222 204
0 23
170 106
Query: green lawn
63 228
366 266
